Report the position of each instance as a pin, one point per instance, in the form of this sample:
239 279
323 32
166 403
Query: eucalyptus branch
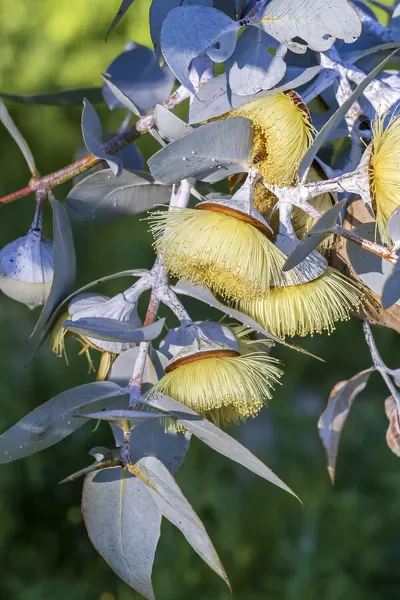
301 194
113 146
160 290
379 364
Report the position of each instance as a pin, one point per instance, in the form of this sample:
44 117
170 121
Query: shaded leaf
120 415
113 330
64 266
338 116
92 136
125 4
373 270
88 286
252 68
332 420
101 197
122 368
393 432
321 230
17 137
175 507
391 289
221 149
355 214
52 421
65 98
393 226
123 523
136 74
152 439
119 95
214 437
109 458
314 22
188 31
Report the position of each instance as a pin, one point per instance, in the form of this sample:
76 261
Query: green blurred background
344 543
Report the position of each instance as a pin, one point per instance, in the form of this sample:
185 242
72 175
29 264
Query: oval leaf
252 68
136 74
101 197
318 23
187 32
123 523
152 439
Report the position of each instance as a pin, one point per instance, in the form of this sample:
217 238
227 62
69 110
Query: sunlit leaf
316 23
211 152
188 31
338 116
113 330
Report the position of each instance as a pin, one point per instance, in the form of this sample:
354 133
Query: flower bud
26 269
88 305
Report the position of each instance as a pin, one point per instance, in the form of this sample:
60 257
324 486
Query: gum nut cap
179 337
26 269
86 306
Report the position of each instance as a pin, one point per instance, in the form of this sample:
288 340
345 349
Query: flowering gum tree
277 252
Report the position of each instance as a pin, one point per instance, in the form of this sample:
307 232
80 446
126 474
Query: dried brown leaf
393 432
332 420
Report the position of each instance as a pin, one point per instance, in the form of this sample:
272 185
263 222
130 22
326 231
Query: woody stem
113 146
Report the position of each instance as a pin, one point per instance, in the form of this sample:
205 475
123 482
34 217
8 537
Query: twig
379 364
179 199
113 146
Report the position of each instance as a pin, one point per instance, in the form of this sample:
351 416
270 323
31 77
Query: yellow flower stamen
220 251
384 171
282 134
308 308
223 389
